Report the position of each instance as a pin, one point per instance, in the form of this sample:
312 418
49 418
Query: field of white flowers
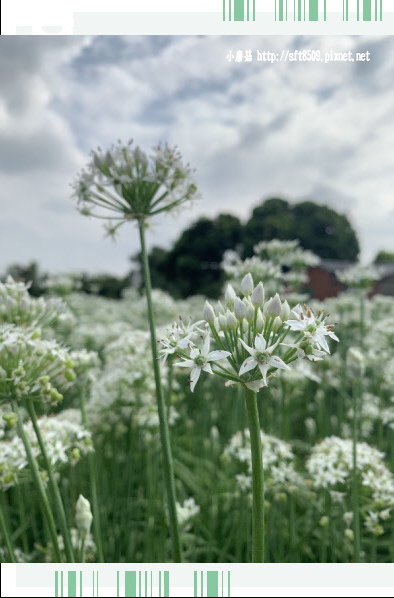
78 368
256 426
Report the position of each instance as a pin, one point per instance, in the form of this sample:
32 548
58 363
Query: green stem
356 513
22 514
38 483
164 431
257 477
93 490
82 550
4 531
68 549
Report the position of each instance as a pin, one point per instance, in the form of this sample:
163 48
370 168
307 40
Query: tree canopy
192 266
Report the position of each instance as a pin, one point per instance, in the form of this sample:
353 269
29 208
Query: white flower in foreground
180 337
261 357
200 361
313 328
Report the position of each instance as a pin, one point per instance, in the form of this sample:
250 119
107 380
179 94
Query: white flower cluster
63 284
286 253
278 462
125 389
31 367
132 184
185 512
65 442
265 270
18 307
249 335
359 277
331 466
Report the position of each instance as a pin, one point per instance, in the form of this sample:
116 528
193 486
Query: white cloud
301 130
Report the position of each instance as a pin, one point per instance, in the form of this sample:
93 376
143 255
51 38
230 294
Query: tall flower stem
257 477
93 488
164 431
355 497
68 549
5 532
38 484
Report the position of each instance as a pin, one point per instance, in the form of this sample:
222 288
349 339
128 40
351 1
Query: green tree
384 257
319 228
193 265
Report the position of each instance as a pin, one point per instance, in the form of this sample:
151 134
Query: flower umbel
133 185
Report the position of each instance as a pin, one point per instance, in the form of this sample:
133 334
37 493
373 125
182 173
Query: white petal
205 348
217 355
194 352
188 363
260 343
263 369
249 349
333 336
194 376
277 362
249 364
295 325
322 342
207 368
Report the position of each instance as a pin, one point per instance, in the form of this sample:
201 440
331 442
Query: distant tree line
193 264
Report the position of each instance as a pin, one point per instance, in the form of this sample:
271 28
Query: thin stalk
82 549
22 514
93 490
355 497
4 531
38 483
164 431
68 549
257 478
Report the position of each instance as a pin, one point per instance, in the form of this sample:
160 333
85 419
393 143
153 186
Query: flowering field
84 365
256 426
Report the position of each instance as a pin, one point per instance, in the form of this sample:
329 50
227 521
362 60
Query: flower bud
324 521
10 419
349 534
229 295
276 324
247 284
209 314
231 321
273 307
239 309
260 321
257 297
69 375
285 311
223 322
219 309
83 515
249 313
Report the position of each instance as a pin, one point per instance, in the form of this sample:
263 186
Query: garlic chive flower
200 361
313 328
31 367
251 336
132 184
261 357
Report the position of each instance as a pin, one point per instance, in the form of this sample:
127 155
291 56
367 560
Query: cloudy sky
298 130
